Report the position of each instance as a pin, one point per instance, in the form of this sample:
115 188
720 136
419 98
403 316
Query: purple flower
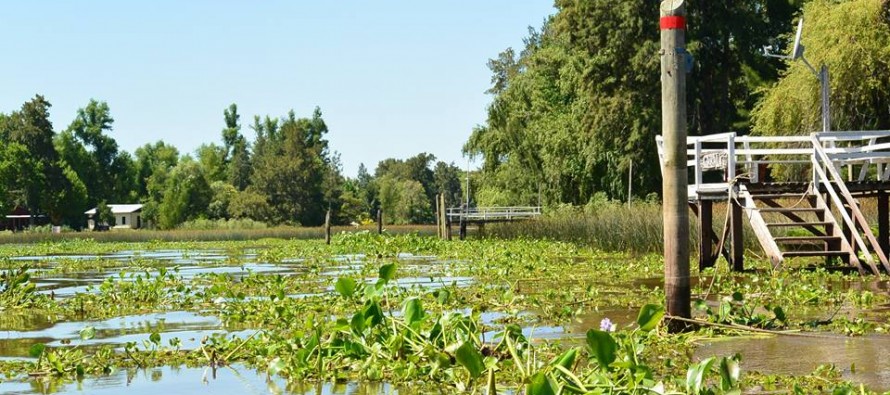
606 325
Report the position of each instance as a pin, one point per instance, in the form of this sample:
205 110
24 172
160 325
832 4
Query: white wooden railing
455 214
727 153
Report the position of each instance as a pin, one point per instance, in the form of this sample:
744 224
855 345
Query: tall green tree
403 201
291 164
187 195
238 163
853 39
577 107
415 168
107 172
212 159
448 182
151 158
44 180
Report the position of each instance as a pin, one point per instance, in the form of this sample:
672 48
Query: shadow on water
234 380
860 359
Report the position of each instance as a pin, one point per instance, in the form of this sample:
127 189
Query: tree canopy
578 106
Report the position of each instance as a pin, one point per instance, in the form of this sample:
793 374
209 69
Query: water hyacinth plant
486 316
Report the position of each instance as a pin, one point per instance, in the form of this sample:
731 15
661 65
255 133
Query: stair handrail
820 159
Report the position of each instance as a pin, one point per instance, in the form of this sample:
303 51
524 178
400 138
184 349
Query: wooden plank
760 229
783 210
796 224
782 239
814 253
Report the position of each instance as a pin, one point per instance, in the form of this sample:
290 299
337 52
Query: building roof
119 209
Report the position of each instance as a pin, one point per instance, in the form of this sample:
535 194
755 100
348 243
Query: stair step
794 239
791 209
777 196
789 254
788 224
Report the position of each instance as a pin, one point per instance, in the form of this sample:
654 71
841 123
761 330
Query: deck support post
705 210
883 221
737 242
462 233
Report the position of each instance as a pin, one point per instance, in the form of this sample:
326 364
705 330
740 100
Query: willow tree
853 39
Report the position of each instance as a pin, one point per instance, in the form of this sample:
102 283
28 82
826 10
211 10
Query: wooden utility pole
673 128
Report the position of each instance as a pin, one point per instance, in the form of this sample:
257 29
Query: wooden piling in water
379 221
675 179
439 232
327 227
443 215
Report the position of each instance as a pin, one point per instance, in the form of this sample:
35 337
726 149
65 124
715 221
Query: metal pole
468 183
826 99
675 183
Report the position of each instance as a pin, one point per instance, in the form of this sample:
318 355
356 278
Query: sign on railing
714 161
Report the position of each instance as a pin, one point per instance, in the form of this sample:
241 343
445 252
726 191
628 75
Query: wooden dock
816 215
479 216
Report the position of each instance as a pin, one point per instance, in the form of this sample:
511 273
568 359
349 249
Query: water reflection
175 380
861 359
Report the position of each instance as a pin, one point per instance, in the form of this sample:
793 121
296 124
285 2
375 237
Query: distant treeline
287 175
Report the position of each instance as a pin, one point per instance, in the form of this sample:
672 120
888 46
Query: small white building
126 216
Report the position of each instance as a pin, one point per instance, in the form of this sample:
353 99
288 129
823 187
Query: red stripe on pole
673 22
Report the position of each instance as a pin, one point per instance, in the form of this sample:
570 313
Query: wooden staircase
797 225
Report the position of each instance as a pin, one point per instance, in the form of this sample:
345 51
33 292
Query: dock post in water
675 178
462 233
379 221
439 232
327 227
443 218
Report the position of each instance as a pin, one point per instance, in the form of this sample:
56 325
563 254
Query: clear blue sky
393 78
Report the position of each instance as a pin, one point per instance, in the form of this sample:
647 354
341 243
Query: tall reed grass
612 226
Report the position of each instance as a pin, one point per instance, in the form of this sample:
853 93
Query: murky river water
235 380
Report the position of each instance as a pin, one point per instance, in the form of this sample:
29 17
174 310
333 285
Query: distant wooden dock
479 216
